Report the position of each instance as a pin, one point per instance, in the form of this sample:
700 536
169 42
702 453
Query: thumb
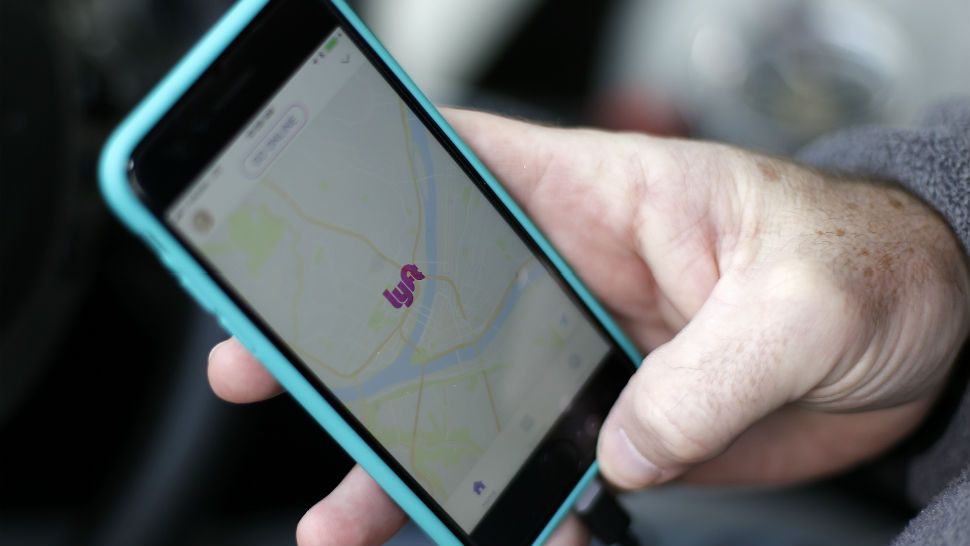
743 355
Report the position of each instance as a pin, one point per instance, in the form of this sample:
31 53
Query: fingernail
627 461
213 350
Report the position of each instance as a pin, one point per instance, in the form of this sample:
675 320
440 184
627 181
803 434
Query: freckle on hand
769 171
839 232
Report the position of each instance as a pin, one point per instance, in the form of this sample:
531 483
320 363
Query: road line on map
417 413
417 192
353 374
488 390
491 320
326 225
454 288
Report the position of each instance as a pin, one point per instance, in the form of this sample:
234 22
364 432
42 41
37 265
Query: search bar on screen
270 147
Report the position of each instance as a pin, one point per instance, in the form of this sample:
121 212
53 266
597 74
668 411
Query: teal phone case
113 172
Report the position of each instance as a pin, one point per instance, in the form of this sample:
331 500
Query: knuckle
673 430
804 291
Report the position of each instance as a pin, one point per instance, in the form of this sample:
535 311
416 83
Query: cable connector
609 522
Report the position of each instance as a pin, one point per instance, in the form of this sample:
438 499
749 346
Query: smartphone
307 194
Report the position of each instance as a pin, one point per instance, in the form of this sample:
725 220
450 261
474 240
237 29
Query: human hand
798 324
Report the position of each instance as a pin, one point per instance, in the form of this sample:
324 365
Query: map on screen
378 261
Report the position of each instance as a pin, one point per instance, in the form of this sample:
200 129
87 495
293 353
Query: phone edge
115 188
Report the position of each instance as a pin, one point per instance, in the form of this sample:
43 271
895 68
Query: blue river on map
402 370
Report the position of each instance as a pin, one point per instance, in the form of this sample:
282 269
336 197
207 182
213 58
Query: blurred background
109 434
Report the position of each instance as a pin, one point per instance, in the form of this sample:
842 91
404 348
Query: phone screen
355 235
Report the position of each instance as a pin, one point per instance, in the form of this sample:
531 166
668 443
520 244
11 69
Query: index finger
236 376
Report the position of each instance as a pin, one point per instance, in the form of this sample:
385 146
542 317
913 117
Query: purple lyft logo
403 294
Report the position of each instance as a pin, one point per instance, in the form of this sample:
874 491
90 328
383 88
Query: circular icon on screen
202 221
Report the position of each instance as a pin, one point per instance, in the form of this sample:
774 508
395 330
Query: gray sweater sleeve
932 160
